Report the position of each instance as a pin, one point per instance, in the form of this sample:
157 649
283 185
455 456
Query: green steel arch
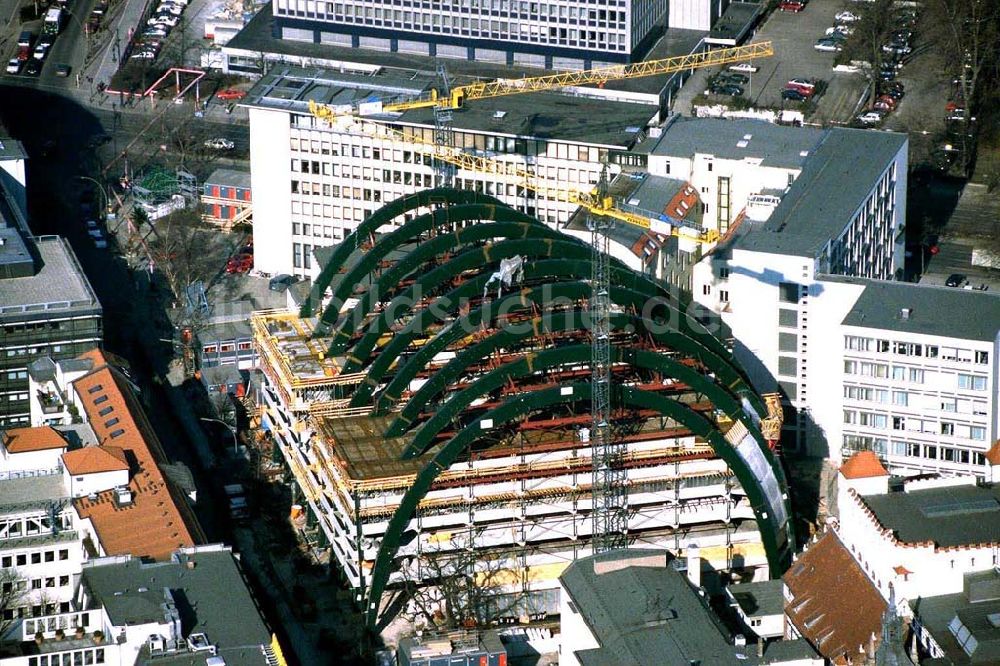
384 215
772 513
528 236
509 224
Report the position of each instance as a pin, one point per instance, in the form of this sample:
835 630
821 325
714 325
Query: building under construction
433 396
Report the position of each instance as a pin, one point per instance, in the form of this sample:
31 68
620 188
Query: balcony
51 402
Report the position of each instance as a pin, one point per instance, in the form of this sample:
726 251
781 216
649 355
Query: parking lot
793 36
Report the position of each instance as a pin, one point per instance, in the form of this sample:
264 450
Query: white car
13 66
95 234
220 144
802 83
840 30
847 17
41 51
156 31
826 46
173 10
743 67
870 118
100 243
92 226
169 22
143 55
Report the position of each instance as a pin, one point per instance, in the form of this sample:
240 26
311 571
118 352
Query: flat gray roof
540 115
644 614
835 181
735 21
31 491
774 145
15 255
229 177
258 36
60 288
212 598
955 516
11 149
949 312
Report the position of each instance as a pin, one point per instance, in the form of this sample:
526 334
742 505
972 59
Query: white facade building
923 536
314 183
558 34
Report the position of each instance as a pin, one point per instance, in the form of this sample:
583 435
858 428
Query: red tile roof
863 465
993 455
833 603
158 521
25 440
95 459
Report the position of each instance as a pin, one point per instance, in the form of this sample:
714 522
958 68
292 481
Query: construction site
434 397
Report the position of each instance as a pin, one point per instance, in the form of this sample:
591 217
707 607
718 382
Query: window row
38 557
858 343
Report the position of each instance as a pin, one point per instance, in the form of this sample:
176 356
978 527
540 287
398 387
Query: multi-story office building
559 34
313 183
47 308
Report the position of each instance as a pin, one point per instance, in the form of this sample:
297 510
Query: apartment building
41 542
313 182
560 34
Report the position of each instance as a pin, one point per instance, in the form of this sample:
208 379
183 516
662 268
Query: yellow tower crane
459 95
596 201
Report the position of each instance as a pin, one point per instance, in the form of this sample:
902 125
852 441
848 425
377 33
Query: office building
47 309
560 34
313 183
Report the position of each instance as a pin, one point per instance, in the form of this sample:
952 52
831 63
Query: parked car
871 117
807 86
827 44
847 17
62 70
888 99
220 144
26 38
239 264
793 95
730 89
13 66
839 30
155 32
94 232
24 53
169 21
171 10
143 54
281 282
792 6
33 68
955 280
737 79
100 244
41 51
743 67
230 94
887 74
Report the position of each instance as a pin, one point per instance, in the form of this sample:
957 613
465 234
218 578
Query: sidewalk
126 21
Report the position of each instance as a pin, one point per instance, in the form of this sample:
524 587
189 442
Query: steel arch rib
563 267
776 538
466 323
428 250
514 222
382 216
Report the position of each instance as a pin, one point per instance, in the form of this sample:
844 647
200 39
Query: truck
53 21
237 502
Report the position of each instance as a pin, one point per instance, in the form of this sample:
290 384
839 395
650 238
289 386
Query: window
982 357
106 411
899 373
50 555
64 554
977 433
724 295
788 342
947 428
971 382
36 558
788 292
788 317
787 366
724 273
900 398
916 376
111 422
99 399
117 433
706 289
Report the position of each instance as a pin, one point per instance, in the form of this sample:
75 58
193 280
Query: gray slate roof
229 178
212 598
761 598
936 613
644 615
945 311
956 516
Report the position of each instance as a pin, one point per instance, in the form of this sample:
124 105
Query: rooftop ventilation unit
123 496
905 313
742 143
747 137
199 643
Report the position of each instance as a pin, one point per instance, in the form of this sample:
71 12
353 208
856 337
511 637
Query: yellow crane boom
459 95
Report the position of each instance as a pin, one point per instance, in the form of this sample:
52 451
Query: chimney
694 564
905 313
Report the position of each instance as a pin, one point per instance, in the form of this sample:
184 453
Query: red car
230 94
792 6
240 264
23 53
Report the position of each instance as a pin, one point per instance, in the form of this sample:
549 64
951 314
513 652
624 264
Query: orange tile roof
863 465
158 521
833 603
993 455
95 459
25 440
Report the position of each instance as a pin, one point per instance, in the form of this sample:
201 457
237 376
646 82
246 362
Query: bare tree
179 251
872 31
460 587
13 590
